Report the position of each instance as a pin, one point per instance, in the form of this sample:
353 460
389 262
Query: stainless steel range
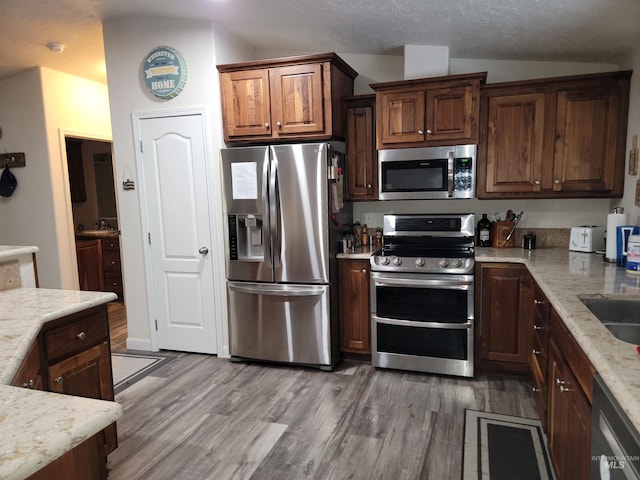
422 294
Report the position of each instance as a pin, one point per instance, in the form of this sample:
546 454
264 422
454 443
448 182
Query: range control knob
444 263
419 262
457 263
384 261
397 261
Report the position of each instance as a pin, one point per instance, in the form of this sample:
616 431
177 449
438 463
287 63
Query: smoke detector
55 47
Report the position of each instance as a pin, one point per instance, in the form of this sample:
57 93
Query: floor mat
129 368
503 447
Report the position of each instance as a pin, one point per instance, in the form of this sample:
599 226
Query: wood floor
201 417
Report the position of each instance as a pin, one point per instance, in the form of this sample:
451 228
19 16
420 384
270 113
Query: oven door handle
403 282
413 323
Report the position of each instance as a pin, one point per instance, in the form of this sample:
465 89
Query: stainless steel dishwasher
615 442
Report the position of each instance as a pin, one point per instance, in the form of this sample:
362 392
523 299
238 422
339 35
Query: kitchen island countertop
38 427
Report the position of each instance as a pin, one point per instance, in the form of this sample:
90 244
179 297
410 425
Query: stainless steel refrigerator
284 216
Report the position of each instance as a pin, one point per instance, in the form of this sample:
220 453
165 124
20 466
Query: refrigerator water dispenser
245 238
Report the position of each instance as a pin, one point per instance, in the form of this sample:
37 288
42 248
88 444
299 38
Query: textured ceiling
564 30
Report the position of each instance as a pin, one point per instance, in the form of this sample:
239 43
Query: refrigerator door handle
274 210
280 290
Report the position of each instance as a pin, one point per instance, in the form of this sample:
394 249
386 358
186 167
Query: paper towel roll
614 220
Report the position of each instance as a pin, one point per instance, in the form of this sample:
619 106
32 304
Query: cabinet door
514 142
569 427
362 166
28 374
246 104
401 117
355 306
505 316
90 265
297 99
87 374
586 132
450 114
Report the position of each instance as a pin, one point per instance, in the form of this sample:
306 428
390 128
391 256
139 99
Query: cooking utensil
515 223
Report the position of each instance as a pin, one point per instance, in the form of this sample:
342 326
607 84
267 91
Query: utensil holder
499 233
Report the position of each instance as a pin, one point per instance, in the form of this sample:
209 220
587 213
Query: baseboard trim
141 344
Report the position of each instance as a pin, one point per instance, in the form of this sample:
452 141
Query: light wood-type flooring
201 417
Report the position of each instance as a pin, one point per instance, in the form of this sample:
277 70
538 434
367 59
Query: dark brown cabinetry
99 264
76 170
287 98
505 317
569 404
72 355
355 323
539 353
112 265
362 156
90 265
554 138
429 111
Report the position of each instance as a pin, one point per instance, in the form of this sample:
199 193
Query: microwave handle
450 174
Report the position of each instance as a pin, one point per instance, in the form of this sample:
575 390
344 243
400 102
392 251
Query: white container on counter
633 255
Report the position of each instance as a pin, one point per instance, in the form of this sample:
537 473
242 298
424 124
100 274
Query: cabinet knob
59 380
81 336
266 125
535 389
278 124
557 182
429 132
369 185
536 352
537 182
537 327
29 384
420 132
559 382
364 270
564 389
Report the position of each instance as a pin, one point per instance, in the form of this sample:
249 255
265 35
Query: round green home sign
164 72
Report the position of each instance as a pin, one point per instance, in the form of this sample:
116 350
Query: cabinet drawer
577 361
111 260
76 336
111 244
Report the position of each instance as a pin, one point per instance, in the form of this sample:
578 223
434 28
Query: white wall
127 42
35 108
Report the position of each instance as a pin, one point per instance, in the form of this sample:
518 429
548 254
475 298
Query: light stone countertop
565 277
37 427
9 251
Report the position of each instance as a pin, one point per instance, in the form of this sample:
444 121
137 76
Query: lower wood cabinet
355 322
503 321
89 257
84 462
569 420
72 356
539 352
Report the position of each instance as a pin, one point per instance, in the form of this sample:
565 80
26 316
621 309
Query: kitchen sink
621 317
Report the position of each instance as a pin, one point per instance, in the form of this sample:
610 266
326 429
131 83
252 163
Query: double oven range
422 294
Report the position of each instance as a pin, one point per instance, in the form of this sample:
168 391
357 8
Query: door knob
203 250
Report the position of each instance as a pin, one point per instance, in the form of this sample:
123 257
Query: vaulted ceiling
564 30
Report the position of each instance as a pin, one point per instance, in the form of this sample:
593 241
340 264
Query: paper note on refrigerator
244 180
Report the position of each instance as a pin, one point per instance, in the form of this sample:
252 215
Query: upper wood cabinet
428 111
288 98
362 156
554 138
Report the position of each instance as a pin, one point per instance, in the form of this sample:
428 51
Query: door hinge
156 324
141 149
149 237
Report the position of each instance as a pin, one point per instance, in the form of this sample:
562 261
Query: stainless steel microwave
427 173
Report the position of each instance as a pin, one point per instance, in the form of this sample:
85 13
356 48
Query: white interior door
177 208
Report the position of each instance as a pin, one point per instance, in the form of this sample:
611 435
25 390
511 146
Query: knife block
499 233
